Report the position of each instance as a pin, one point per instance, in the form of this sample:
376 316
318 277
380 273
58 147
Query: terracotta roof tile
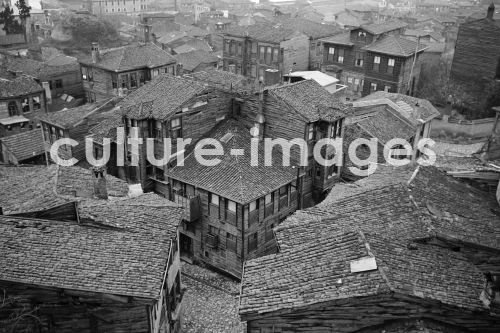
18 86
310 100
131 57
395 46
383 27
234 177
24 145
191 60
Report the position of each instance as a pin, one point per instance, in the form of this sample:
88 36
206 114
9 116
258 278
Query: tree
16 315
86 29
10 24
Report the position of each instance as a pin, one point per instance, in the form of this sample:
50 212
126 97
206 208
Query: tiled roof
106 128
223 80
266 32
319 271
70 117
310 100
37 188
343 39
39 69
24 145
307 27
192 45
395 46
385 125
160 98
18 86
422 108
131 57
119 247
454 210
234 177
383 27
191 60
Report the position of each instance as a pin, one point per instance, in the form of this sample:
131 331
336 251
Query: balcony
192 207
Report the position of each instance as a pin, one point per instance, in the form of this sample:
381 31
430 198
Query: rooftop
39 69
343 39
413 108
18 86
70 117
117 246
383 27
309 28
191 60
24 145
310 100
266 32
388 222
130 57
234 177
395 46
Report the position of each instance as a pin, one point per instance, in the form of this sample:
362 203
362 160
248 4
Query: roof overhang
13 120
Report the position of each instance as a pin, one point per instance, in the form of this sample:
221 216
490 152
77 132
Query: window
213 230
276 54
252 242
333 170
238 49
133 80
269 55
349 79
283 197
142 78
175 128
356 82
331 50
390 66
231 212
124 81
59 84
361 35
12 107
373 87
231 206
269 232
157 130
262 52
340 56
156 72
25 105
84 73
336 129
269 205
114 81
359 59
253 212
230 242
318 48
387 88
214 199
254 48
310 134
376 63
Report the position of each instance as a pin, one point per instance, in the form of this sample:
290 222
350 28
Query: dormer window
361 35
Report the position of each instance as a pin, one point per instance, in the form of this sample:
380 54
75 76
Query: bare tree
16 315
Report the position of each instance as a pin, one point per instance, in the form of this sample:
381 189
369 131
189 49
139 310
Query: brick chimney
95 52
100 186
491 11
147 32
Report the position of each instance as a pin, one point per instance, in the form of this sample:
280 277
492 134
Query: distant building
117 6
374 57
476 62
114 72
195 61
433 6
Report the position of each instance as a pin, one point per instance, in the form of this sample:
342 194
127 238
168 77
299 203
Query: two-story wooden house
22 100
115 72
252 50
374 57
232 207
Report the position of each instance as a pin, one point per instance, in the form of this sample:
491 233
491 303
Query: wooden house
69 260
476 62
74 123
232 210
22 100
364 260
63 78
117 71
374 57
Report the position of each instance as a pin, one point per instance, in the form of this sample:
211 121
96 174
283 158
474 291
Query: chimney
147 32
272 76
491 11
100 186
95 52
